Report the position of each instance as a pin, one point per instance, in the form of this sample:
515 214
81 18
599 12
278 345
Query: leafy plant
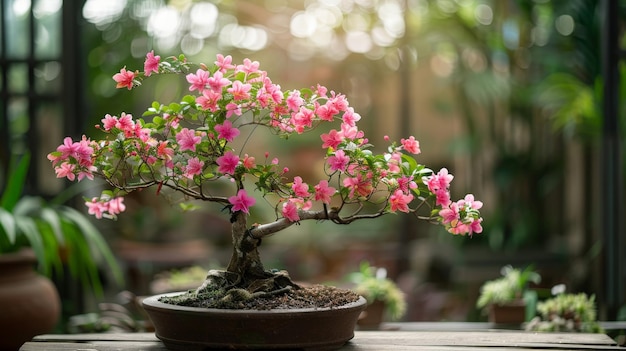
566 313
510 287
59 235
373 284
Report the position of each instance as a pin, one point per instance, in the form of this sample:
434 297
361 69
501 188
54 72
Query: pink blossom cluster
189 143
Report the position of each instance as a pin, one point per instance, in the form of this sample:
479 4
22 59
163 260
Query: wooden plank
483 338
95 346
98 337
363 341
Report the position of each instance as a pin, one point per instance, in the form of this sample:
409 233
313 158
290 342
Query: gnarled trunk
245 275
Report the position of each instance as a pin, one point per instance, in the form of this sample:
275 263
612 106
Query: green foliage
59 235
567 313
510 287
376 287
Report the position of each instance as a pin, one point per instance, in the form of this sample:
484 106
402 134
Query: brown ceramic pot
372 317
192 328
29 302
511 313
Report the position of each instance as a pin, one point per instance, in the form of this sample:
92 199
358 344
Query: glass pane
18 124
17 78
50 134
47 15
48 78
16 21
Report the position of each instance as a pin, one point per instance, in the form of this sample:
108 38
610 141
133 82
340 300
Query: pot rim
154 303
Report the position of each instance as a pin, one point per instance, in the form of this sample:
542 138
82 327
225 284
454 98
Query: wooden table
435 340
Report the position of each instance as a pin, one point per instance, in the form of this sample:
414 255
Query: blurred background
520 100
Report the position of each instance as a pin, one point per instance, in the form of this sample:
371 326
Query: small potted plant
383 296
212 136
504 298
51 237
566 312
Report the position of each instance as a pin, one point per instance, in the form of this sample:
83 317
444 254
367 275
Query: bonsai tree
204 138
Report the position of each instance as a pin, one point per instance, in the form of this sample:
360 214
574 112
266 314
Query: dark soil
313 296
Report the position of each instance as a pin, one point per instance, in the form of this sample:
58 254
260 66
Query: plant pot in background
192 328
510 313
29 302
372 317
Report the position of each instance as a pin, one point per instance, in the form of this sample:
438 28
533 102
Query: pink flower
439 184
326 112
450 214
163 151
116 205
339 161
227 163
248 162
405 183
209 99
96 207
240 90
399 201
187 139
294 101
248 66
350 132
194 167
151 64
290 211
232 108
68 148
66 169
332 139
363 187
411 145
302 119
226 131
299 188
126 124
217 82
124 79
323 192
199 80
241 201
350 117
109 122
224 63
393 164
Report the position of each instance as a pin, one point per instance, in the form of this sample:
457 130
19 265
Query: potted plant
382 294
208 137
566 312
505 298
50 236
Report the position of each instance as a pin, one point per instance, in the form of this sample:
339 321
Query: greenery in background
510 287
59 235
566 313
373 284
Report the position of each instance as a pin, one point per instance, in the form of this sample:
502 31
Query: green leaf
97 244
15 183
52 219
28 228
8 224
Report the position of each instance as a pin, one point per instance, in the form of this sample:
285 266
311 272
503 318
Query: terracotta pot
29 302
372 317
511 313
192 328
